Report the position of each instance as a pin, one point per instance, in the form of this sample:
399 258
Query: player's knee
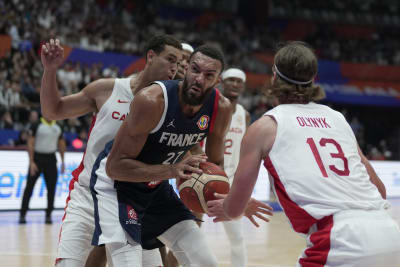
199 255
124 255
151 258
236 239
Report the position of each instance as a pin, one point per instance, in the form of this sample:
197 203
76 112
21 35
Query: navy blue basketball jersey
156 205
176 134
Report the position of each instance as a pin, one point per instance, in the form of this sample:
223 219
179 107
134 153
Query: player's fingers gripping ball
196 191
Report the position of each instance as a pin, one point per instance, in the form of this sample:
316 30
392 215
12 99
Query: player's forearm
49 95
243 184
130 170
235 204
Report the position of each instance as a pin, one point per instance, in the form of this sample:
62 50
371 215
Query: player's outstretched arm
146 111
255 208
215 144
52 104
256 145
372 174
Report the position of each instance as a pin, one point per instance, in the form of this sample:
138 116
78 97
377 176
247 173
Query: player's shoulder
154 90
150 96
98 87
264 126
104 83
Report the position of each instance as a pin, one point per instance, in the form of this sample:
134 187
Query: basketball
196 191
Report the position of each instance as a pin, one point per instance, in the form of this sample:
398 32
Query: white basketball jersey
233 139
104 127
314 165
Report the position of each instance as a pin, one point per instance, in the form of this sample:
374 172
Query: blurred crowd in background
123 26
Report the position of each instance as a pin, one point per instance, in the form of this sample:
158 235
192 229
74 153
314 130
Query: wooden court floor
273 244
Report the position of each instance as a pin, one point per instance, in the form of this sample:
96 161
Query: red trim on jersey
202 143
299 218
215 110
77 171
321 240
75 177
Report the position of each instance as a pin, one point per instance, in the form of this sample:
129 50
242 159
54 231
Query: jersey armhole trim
160 123
277 129
215 111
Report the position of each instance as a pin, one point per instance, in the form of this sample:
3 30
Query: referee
44 138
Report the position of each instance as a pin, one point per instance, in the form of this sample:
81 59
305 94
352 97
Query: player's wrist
171 171
50 70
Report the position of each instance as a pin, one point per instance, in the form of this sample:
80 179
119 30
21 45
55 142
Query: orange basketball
196 191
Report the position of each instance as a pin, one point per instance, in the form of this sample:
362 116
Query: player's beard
190 99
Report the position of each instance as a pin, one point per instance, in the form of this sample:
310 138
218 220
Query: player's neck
189 110
141 80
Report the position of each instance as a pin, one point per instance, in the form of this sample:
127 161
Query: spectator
22 139
6 121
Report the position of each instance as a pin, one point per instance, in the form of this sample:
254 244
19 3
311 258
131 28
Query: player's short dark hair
212 52
157 43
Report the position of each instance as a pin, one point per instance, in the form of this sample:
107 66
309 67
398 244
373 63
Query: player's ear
273 77
150 56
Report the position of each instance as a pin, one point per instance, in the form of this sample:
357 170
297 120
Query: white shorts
353 238
108 228
78 226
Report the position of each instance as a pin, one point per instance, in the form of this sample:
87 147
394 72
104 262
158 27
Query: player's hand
254 208
33 169
215 208
52 54
259 209
189 165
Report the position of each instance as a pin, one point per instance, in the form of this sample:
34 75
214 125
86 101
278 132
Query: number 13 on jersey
339 155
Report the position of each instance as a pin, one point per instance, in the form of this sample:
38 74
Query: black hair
212 52
157 43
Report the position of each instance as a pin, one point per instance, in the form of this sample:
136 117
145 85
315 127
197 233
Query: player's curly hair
295 67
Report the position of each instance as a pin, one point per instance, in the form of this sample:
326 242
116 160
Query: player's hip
352 236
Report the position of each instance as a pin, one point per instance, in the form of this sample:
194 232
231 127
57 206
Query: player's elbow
110 168
49 114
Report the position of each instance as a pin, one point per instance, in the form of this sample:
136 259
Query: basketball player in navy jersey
325 185
109 100
151 147
168 258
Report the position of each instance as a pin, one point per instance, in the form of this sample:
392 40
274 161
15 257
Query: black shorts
157 209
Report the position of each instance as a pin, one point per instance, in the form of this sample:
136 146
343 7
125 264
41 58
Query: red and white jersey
233 139
104 127
314 165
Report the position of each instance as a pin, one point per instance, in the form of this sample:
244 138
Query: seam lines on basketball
200 194
200 191
191 182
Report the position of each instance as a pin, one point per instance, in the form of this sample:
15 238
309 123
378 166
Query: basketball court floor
273 244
